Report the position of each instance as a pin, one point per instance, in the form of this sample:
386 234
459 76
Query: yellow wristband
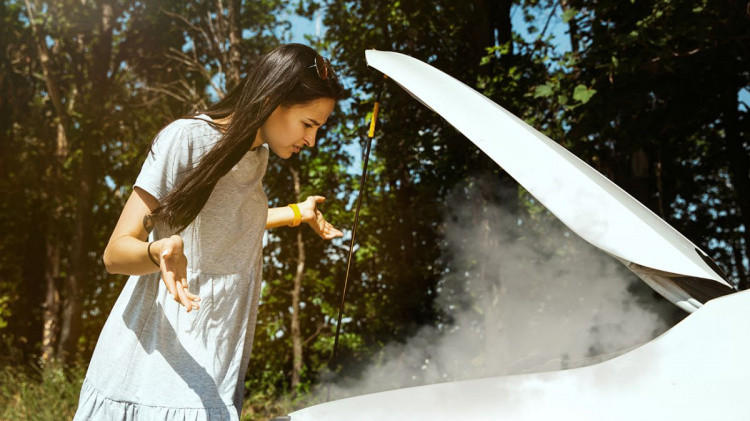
297 215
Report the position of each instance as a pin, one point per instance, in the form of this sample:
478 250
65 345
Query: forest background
451 253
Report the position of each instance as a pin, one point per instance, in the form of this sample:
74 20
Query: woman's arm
279 217
127 250
310 215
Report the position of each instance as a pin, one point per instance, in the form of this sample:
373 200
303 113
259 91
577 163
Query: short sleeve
167 162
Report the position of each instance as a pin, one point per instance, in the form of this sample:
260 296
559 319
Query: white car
697 370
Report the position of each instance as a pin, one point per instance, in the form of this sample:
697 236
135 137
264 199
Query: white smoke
518 298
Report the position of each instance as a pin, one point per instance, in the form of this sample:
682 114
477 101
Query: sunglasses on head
323 67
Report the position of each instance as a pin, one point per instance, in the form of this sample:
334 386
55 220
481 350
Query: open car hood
582 198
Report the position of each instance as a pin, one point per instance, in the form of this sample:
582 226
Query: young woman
178 340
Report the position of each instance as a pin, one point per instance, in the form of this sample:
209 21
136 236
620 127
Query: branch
222 29
315 334
163 90
549 18
52 87
194 64
182 18
192 26
215 40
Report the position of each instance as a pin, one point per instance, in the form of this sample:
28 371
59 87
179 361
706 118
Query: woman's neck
223 124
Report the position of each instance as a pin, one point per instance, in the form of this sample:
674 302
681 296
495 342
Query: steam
518 298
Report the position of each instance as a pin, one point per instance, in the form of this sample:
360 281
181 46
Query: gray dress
155 361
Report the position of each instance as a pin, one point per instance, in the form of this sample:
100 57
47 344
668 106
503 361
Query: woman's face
289 129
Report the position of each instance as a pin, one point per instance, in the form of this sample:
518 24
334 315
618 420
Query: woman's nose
310 138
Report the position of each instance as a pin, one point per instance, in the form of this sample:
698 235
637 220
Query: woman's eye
308 125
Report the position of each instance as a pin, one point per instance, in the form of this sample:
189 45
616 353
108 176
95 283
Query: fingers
184 300
324 228
181 295
174 269
194 299
168 279
328 232
332 233
189 300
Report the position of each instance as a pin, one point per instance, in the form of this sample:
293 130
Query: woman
178 340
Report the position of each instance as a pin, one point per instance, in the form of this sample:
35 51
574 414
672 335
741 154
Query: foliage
614 98
31 392
665 121
647 93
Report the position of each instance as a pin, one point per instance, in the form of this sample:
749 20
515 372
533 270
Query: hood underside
583 199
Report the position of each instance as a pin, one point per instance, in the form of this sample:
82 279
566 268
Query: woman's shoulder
193 132
198 124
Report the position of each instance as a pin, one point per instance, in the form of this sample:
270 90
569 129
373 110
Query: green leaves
583 94
569 14
543 91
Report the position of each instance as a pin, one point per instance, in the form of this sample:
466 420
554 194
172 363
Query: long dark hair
285 76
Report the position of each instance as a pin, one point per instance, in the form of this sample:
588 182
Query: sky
302 26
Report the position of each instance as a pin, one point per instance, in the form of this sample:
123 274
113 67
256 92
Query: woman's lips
296 149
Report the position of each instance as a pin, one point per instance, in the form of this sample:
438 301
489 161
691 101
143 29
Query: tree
665 121
107 85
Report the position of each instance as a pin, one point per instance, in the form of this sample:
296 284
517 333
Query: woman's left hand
312 216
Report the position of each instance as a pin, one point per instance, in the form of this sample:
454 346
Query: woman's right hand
173 264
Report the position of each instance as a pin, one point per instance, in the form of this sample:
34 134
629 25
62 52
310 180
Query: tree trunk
572 28
51 301
296 331
72 305
235 38
70 327
53 241
54 172
639 182
492 28
26 326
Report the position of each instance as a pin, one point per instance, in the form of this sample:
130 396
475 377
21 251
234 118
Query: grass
31 393
28 392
